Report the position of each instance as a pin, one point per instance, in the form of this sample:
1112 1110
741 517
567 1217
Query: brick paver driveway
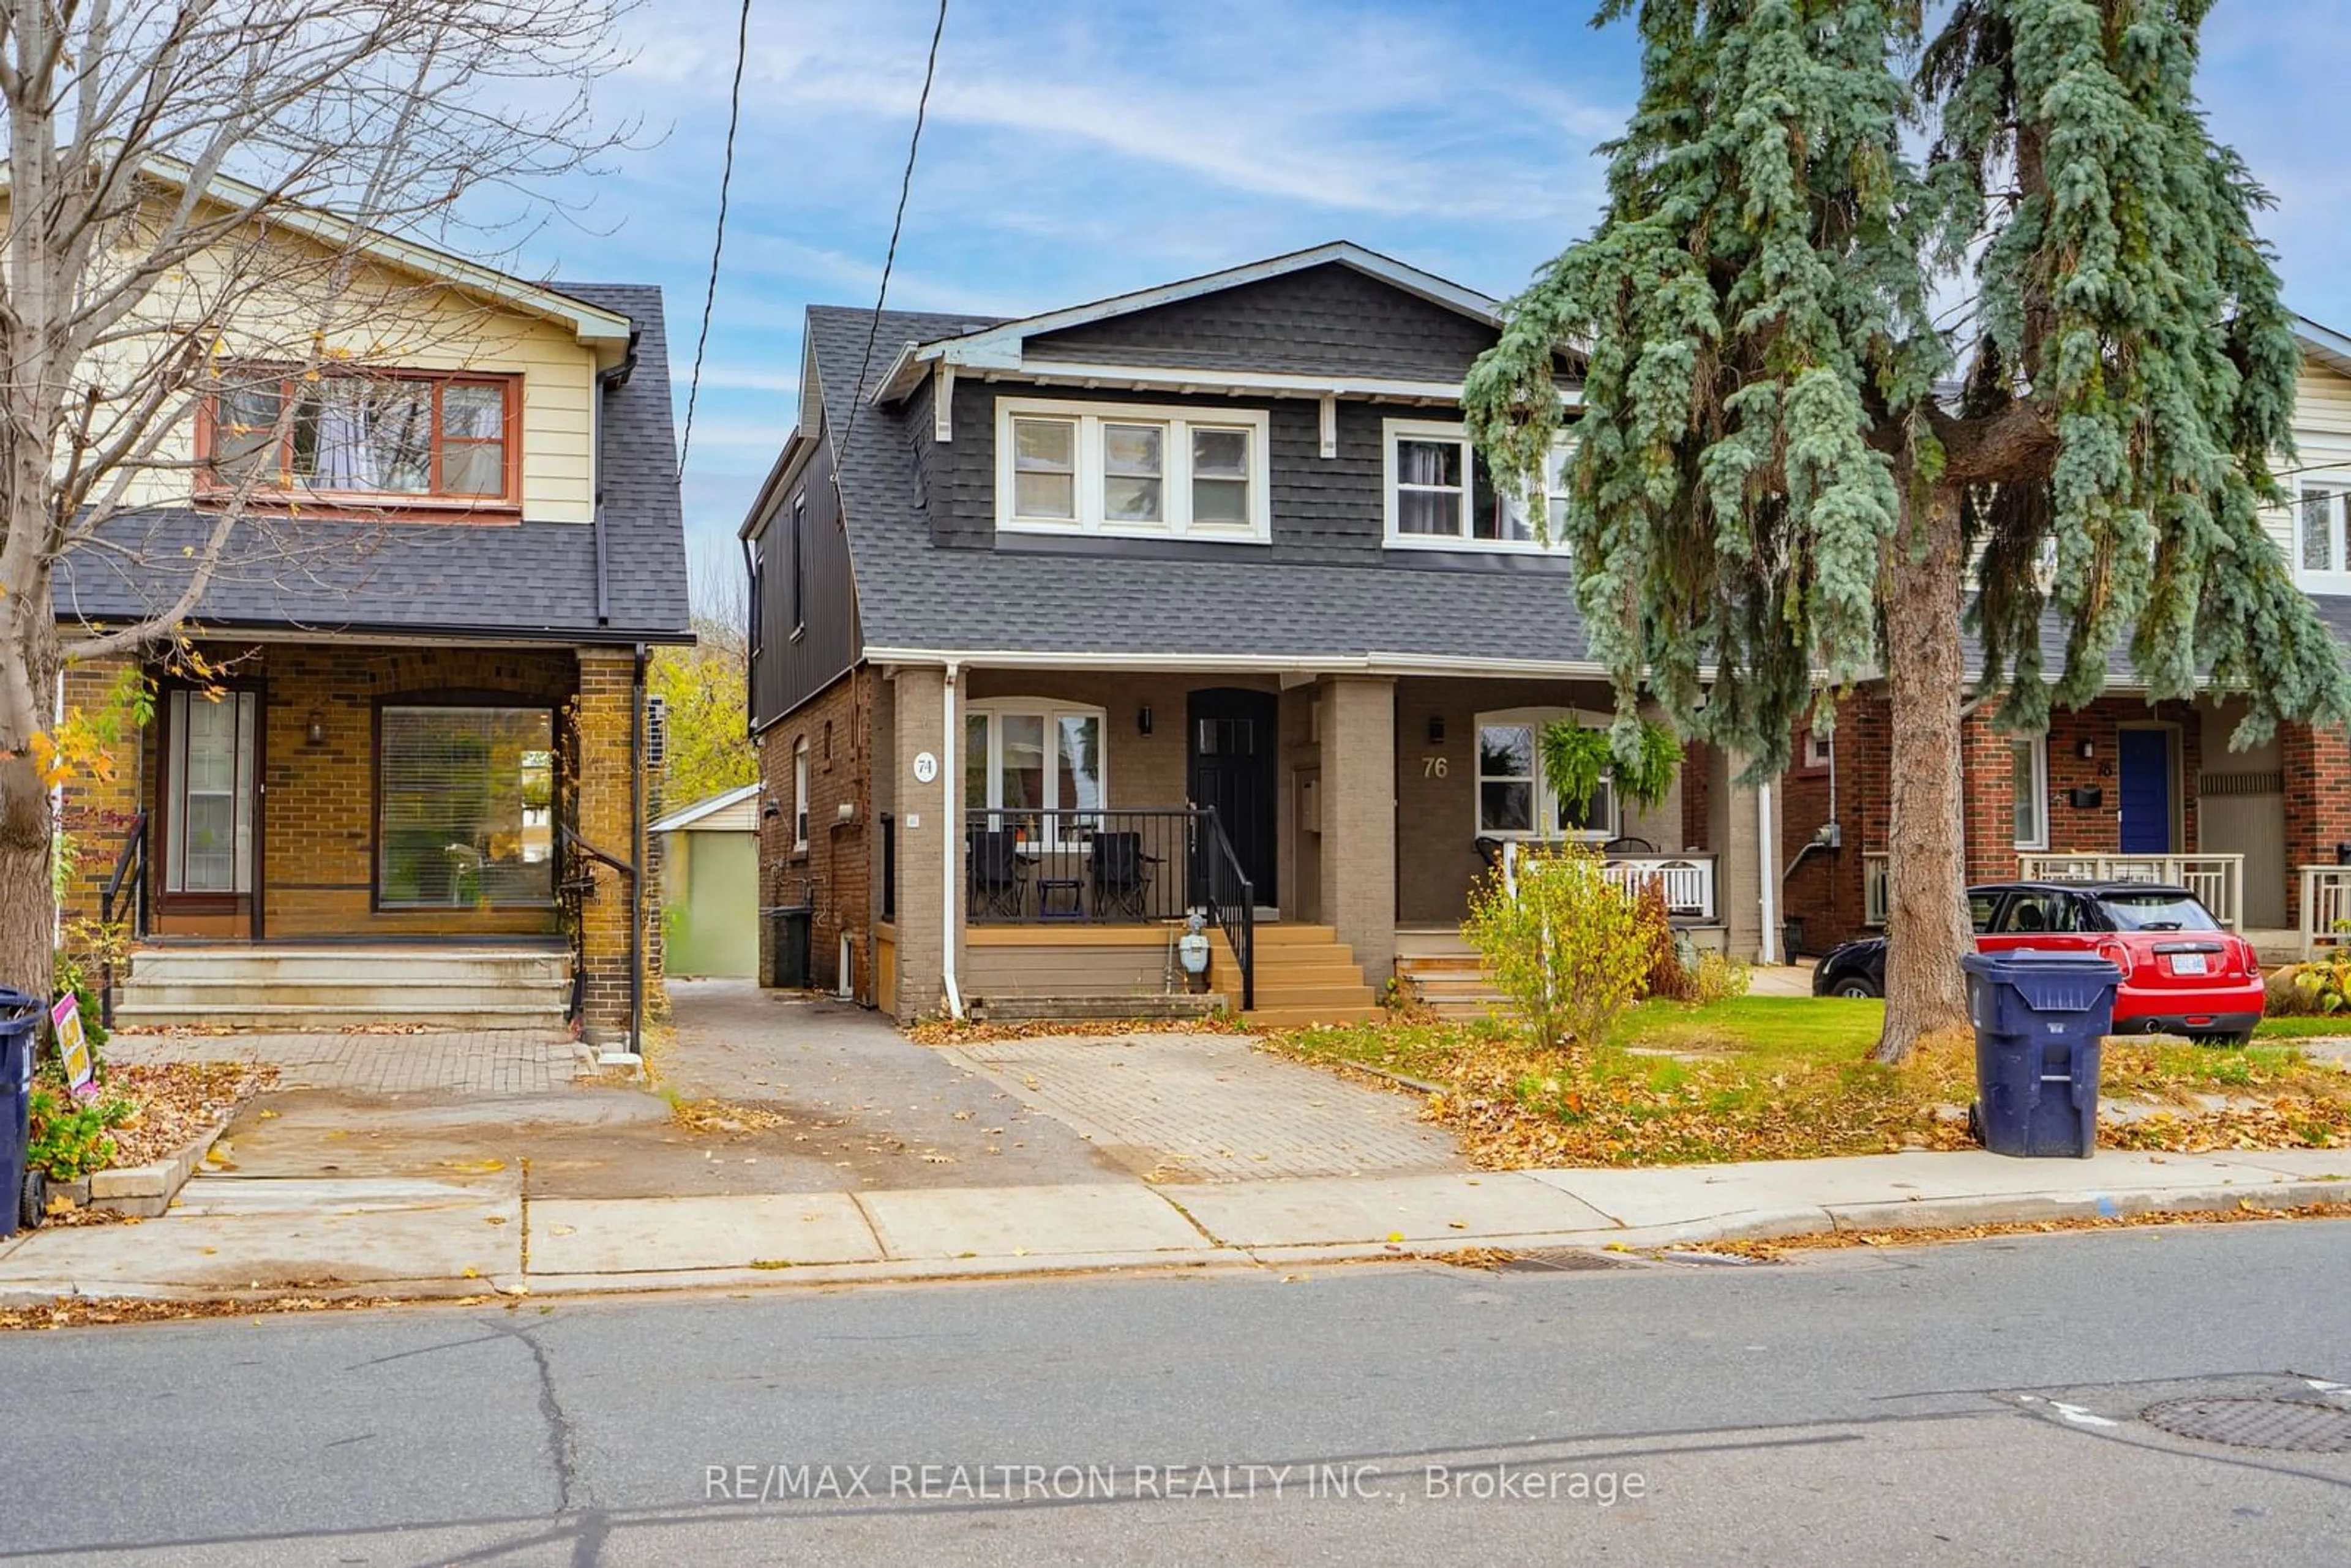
1210 1107
474 1063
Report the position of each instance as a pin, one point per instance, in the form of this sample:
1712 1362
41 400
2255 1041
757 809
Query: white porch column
1742 830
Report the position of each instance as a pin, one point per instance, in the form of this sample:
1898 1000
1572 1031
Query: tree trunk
28 667
1926 923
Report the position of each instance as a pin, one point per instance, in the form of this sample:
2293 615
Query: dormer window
404 439
1131 470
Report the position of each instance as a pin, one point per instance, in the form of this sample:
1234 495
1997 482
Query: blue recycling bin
2041 1019
20 1034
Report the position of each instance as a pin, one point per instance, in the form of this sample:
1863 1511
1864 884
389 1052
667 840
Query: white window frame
2337 489
995 710
801 795
2035 779
1394 431
1817 747
243 706
1547 828
1175 478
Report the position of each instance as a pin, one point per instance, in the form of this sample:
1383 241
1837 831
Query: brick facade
1826 889
317 804
834 872
2317 768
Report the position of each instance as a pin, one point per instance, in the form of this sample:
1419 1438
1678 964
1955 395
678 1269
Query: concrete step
405 968
1021 1009
354 992
269 1016
1298 1018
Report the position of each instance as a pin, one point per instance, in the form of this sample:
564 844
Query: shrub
1568 948
1678 971
2322 985
70 1138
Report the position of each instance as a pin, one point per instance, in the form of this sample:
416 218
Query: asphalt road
1973 1403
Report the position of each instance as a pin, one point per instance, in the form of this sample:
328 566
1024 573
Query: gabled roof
999 345
2324 344
711 806
593 325
529 581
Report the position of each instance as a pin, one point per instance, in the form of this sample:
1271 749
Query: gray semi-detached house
1196 598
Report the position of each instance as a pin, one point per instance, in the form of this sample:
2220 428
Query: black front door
1229 741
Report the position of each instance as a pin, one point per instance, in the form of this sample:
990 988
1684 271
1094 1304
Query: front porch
1308 819
322 833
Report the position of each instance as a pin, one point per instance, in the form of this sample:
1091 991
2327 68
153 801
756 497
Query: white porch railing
2325 907
2217 880
1876 875
1687 881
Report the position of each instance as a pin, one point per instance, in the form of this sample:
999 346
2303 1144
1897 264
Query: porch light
317 730
2085 749
1436 729
1142 719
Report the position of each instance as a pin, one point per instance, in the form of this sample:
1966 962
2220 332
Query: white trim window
1439 493
801 796
2028 772
1023 756
2321 541
1130 470
1514 798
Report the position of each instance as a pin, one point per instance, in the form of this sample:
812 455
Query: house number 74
1432 768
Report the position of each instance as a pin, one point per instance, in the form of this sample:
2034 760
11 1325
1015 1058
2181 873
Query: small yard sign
73 1046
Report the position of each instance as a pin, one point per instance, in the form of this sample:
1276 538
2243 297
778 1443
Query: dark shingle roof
914 595
530 580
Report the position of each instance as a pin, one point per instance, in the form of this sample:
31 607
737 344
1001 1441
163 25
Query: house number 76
1432 768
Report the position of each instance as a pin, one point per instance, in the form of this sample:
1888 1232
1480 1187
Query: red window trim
434 505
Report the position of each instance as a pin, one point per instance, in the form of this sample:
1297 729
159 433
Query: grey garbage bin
788 956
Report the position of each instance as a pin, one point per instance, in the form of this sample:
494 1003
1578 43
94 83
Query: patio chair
998 875
1490 849
1628 844
1121 874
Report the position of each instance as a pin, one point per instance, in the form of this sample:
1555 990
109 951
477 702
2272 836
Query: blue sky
1078 150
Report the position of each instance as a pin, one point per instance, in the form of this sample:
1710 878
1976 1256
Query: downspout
948 838
607 380
1767 950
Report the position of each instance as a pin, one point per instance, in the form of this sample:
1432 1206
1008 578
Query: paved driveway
1212 1108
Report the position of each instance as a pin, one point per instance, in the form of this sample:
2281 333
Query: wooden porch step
1357 995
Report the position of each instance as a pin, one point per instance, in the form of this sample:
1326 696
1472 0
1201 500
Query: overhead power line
890 258
719 239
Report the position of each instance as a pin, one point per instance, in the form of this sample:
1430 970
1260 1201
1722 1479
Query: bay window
404 438
464 797
1024 757
1442 495
1131 470
1515 799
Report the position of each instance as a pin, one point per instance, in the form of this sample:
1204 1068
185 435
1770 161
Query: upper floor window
1135 471
1441 495
402 439
2321 547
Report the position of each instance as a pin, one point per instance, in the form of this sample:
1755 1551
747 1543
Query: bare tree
198 198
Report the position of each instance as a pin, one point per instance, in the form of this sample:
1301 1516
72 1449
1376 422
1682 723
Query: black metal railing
1112 866
581 858
131 868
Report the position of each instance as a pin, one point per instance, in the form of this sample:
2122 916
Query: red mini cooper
2183 973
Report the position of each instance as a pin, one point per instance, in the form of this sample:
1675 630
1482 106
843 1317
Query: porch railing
1686 882
2325 907
1876 887
131 868
577 886
1143 866
2217 880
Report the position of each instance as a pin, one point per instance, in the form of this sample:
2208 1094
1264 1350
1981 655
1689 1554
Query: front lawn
1790 1078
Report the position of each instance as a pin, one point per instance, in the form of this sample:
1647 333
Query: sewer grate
1564 1260
2291 1424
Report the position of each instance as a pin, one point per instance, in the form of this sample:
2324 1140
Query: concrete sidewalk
406 1237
